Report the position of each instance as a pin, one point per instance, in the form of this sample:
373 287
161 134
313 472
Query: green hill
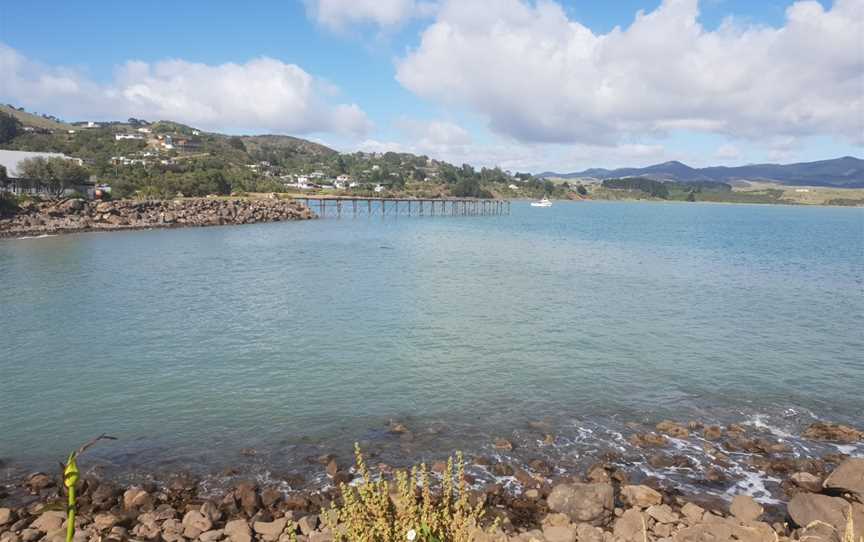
34 121
163 158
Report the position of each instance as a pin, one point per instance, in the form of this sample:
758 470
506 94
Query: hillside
33 120
845 172
164 158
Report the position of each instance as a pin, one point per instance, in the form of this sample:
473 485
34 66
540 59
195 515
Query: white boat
542 203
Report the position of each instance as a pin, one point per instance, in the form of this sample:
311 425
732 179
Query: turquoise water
294 339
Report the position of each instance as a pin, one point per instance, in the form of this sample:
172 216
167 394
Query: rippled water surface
292 338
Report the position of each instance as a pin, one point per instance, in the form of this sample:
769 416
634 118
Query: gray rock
590 503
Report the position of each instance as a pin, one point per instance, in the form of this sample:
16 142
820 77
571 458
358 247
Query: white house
144 130
120 137
353 184
513 187
379 188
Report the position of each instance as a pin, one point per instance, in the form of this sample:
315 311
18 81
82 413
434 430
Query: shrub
372 512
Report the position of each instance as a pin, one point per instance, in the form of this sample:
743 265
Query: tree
9 127
58 173
4 178
581 190
237 143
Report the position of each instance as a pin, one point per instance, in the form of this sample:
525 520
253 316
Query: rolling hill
845 172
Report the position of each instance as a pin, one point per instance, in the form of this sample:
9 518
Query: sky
528 85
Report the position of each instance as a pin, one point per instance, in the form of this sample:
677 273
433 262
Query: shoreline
65 216
521 493
601 504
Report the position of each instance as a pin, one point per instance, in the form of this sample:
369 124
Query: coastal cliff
78 215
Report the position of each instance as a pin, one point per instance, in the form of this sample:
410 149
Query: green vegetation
369 512
58 173
648 187
9 127
162 159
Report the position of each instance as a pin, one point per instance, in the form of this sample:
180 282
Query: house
121 137
343 178
18 184
512 186
379 188
196 132
144 130
353 184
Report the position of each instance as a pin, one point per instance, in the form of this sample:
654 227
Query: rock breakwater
78 215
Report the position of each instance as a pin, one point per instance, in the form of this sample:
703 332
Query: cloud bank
263 94
537 76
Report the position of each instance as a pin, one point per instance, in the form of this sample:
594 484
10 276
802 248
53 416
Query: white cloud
727 151
538 76
263 94
445 140
340 14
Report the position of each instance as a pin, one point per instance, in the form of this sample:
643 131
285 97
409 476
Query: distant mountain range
846 172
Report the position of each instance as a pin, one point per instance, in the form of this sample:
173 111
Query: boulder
308 524
588 533
744 508
692 513
724 531
807 482
136 498
631 526
805 508
848 477
833 432
6 516
640 496
247 496
648 440
212 536
673 429
560 533
104 522
196 522
238 531
712 432
662 513
270 530
589 503
49 521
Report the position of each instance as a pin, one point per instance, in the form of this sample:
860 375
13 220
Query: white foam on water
43 236
758 421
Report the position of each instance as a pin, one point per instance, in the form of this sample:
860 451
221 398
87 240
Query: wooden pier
356 206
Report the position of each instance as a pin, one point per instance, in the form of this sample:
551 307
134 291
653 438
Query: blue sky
524 84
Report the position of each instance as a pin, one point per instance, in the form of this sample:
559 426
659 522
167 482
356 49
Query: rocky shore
822 501
78 215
